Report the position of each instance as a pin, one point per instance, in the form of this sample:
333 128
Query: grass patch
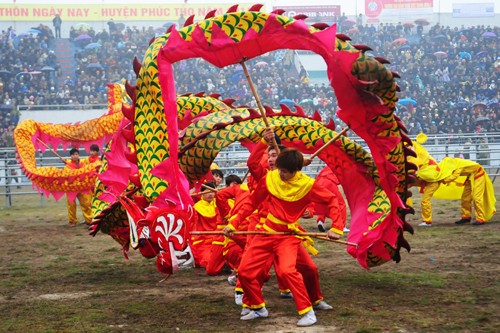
58 279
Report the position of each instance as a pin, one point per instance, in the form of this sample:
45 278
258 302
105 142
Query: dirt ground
54 278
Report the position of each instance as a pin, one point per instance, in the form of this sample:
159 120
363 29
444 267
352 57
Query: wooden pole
245 176
259 104
209 188
332 140
265 233
325 238
52 150
200 193
317 235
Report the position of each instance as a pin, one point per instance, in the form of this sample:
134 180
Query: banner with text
314 13
87 13
396 10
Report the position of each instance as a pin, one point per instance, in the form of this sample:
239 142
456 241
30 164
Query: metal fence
72 106
232 160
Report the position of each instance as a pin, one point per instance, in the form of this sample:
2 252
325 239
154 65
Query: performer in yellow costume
461 178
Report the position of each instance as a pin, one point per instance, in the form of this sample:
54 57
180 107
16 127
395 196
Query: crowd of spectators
449 76
22 58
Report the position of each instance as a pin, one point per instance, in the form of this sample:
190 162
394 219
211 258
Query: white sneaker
308 319
238 299
321 226
231 279
346 230
254 314
245 311
322 305
425 224
286 294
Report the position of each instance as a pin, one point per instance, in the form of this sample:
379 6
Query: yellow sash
291 190
294 227
205 208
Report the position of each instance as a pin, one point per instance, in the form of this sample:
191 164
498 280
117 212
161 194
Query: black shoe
478 223
463 221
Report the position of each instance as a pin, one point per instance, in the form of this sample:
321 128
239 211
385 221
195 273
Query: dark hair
94 147
74 150
290 159
210 184
218 173
271 147
233 178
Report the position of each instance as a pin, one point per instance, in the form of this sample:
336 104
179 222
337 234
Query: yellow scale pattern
195 104
55 179
152 142
196 161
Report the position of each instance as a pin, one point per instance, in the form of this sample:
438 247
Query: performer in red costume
94 154
224 249
261 160
229 201
286 193
204 219
327 179
94 157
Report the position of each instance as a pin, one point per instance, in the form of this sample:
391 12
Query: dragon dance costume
204 219
453 179
285 203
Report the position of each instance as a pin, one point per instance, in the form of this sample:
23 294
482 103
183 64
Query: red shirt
72 165
235 192
289 211
205 216
93 159
255 165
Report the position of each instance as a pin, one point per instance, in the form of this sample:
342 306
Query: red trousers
293 265
254 225
216 260
220 254
201 252
232 254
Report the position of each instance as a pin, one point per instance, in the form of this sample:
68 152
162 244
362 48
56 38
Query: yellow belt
294 227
